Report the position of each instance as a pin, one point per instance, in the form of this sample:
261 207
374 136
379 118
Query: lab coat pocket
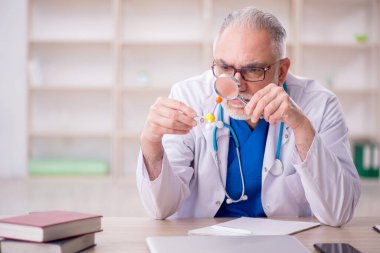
294 185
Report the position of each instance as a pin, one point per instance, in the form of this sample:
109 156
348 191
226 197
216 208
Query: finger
251 105
277 115
273 106
161 130
263 102
177 105
174 115
168 123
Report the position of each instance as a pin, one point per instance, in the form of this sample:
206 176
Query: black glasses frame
265 69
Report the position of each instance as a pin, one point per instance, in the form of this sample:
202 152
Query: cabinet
95 66
340 48
71 81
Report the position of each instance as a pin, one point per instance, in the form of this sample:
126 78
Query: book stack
49 232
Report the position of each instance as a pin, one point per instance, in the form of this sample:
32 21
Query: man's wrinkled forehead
244 47
252 64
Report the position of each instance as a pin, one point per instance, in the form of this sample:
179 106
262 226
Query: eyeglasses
249 74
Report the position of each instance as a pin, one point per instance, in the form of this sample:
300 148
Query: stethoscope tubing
236 141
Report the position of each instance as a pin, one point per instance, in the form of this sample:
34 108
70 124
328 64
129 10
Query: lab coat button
217 203
265 169
286 136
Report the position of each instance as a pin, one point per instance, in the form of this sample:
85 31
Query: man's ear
284 68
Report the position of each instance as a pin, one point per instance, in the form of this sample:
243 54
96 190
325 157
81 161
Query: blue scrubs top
252 147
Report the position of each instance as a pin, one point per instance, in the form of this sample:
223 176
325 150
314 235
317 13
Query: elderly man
282 148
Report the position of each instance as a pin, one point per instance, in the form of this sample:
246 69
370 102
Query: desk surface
122 234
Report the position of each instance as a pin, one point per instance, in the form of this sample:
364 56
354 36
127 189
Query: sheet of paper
212 231
255 226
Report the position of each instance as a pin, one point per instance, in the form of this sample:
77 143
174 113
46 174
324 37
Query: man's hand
274 104
166 116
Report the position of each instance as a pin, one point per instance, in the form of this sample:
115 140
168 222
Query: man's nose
239 77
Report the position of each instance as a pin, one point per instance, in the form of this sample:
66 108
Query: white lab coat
326 185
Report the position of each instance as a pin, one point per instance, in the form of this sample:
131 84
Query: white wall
13 88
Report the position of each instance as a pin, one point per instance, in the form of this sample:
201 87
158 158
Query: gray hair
254 18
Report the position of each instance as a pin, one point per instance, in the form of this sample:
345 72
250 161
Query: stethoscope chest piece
277 168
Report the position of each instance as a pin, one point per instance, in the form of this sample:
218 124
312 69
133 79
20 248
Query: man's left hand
274 104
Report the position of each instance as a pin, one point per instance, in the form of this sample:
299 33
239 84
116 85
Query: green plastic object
56 167
366 161
361 38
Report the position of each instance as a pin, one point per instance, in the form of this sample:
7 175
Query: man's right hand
166 116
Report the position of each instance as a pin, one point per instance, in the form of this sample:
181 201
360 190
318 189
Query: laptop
225 244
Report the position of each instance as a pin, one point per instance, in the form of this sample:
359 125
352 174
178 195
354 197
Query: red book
69 245
49 226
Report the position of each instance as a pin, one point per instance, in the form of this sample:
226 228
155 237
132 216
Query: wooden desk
128 234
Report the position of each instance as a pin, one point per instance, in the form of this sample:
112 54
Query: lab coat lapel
271 147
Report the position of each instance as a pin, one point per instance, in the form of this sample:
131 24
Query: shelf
71 148
159 20
359 2
161 64
70 64
70 134
352 136
338 90
340 67
362 136
335 21
162 41
71 88
76 112
334 45
82 19
146 90
65 41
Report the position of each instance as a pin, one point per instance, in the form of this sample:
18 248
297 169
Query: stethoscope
228 87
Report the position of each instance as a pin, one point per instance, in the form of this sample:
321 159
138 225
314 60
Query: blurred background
78 77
